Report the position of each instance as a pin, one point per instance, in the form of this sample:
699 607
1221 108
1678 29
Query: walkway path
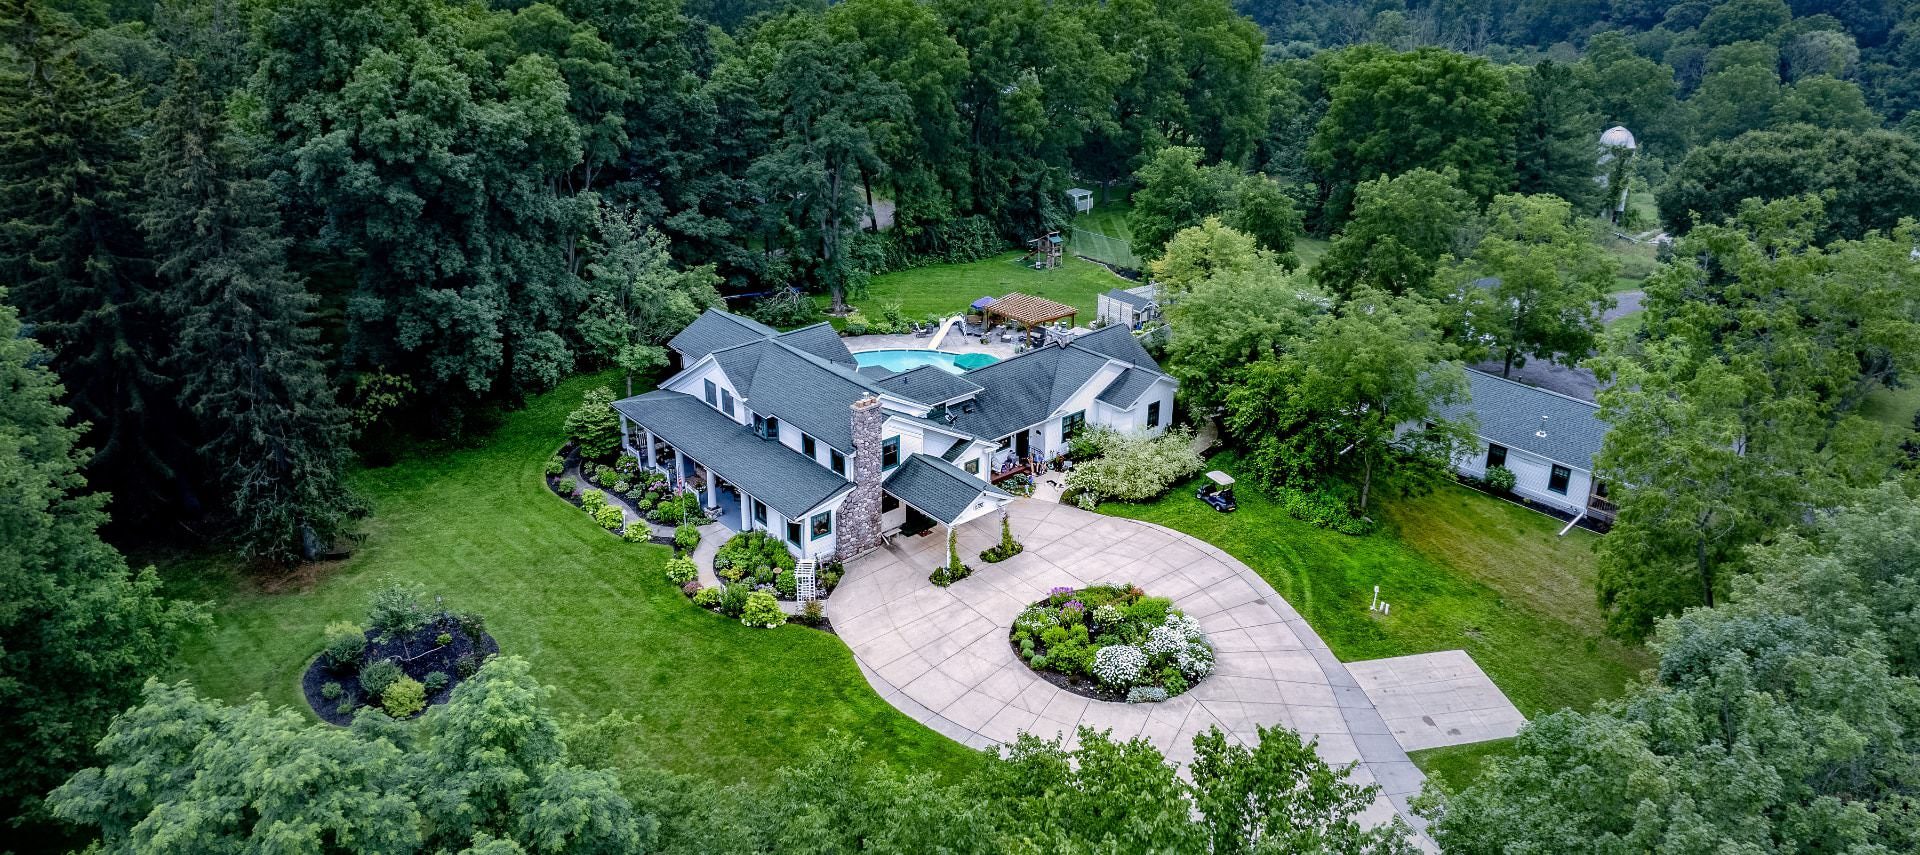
942 656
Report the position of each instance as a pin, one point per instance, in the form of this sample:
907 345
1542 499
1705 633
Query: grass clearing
1102 233
948 289
1460 765
1461 569
594 615
1893 407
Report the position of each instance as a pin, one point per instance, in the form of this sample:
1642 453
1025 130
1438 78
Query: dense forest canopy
244 243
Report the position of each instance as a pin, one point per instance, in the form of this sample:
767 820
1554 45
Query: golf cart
1219 494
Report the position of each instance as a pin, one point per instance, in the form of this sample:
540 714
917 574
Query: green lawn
1102 233
947 289
1460 569
593 614
1460 765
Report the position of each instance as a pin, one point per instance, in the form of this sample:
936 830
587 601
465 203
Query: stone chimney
860 513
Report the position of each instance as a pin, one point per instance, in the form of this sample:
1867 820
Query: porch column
713 490
652 464
626 435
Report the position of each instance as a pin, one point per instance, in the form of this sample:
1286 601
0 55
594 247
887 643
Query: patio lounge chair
923 331
1006 335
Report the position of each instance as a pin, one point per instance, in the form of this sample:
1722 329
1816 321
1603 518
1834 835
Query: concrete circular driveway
942 656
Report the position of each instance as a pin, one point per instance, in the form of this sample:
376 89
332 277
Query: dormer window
889 452
773 428
726 402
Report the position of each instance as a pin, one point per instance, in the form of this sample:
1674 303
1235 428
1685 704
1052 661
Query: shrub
636 533
556 467
567 487
345 643
1119 665
1134 467
594 424
443 639
1325 507
787 584
593 501
762 610
811 614
332 691
1150 610
752 554
856 325
622 487
437 680
1146 695
610 517
399 609
377 677
471 625
681 570
707 598
346 707
690 588
466 666
733 600
1006 548
686 538
1501 478
626 464
404 698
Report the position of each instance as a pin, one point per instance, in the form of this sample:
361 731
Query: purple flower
1058 591
1075 605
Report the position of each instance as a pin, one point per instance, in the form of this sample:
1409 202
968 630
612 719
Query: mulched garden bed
417 654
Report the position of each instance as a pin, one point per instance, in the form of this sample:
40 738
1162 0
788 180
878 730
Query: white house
1546 439
784 432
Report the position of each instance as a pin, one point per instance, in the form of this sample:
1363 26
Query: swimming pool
906 359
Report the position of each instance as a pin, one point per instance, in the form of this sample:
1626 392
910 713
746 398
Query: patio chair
1006 335
923 331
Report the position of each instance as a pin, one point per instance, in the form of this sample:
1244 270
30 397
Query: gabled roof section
1138 301
1509 414
938 488
797 387
773 473
1126 389
819 340
717 330
1023 390
929 385
1117 342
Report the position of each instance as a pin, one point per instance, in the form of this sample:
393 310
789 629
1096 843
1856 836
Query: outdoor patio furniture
923 331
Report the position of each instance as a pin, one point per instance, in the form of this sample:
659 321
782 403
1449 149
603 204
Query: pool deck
952 343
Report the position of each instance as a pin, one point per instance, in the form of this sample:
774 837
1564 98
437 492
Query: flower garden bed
756 573
646 493
1112 643
411 657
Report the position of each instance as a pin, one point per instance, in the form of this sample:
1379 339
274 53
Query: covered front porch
745 482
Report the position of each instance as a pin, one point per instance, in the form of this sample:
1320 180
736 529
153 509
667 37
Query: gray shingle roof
796 387
1128 387
928 385
938 488
1509 414
773 473
715 330
820 340
1137 301
1023 390
1117 342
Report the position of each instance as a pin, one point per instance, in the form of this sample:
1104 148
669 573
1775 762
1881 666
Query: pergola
1029 311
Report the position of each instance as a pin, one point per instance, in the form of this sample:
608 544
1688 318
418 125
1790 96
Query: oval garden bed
410 656
1112 643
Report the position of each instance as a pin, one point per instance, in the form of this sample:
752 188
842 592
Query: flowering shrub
609 517
1109 639
707 598
681 570
593 501
1133 467
1119 665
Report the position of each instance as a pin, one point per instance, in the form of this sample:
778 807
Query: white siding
1531 474
693 382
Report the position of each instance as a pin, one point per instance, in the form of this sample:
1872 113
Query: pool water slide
942 334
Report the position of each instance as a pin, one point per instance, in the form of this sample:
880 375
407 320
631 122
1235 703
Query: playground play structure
1044 252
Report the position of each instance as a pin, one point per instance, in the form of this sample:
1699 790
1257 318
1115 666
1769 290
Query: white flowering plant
1119 665
1112 641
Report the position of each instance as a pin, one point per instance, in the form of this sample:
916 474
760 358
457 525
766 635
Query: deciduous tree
1401 228
1536 283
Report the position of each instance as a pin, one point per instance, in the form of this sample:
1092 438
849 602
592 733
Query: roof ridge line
1531 387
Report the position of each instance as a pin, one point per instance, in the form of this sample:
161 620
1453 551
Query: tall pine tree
250 370
67 243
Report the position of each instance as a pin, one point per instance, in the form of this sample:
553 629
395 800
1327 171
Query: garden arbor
1029 311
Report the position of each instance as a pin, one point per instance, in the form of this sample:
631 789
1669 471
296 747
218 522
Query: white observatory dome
1618 137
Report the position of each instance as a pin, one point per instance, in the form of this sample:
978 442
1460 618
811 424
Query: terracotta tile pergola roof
1029 311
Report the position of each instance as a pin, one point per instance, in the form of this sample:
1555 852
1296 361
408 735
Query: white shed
1082 199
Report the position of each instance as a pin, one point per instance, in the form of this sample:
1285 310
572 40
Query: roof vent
1542 432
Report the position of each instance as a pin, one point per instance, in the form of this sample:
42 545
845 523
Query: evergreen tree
69 246
79 629
249 368
1556 150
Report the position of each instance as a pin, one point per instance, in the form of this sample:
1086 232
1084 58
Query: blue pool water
908 359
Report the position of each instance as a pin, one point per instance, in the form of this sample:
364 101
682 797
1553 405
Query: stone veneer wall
860 513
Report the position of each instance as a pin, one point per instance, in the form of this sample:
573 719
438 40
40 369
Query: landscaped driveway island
942 654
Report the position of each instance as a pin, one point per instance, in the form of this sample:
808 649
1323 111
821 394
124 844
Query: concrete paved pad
941 655
1435 699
